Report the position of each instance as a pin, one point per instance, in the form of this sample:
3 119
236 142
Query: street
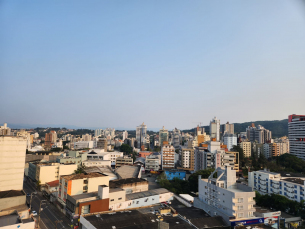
50 214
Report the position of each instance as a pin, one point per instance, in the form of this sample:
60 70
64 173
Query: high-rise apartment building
296 135
50 139
12 162
215 129
141 134
176 138
125 135
246 146
168 157
163 136
102 144
4 130
227 128
188 159
98 132
258 134
86 137
230 140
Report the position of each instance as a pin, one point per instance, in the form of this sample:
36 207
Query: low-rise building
102 155
80 183
125 160
97 162
52 189
130 185
267 182
152 163
171 174
223 196
47 172
145 153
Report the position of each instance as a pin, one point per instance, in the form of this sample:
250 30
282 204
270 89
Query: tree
157 148
193 179
66 147
80 169
125 148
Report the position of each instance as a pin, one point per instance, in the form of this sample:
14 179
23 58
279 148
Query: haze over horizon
172 63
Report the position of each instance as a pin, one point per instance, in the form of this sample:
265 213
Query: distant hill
279 128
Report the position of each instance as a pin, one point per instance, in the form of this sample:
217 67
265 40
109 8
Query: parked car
28 194
34 213
35 193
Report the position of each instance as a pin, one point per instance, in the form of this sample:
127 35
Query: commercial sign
247 222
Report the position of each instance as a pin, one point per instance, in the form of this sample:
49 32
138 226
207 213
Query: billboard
247 222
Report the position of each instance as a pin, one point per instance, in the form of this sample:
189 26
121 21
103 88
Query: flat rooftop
11 193
82 176
268 172
8 220
115 183
152 192
294 180
134 220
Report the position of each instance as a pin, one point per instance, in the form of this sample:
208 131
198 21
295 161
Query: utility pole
31 201
57 221
40 211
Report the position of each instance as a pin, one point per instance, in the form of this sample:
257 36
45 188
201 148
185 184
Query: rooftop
116 183
128 171
11 193
152 192
8 220
82 176
134 220
268 172
54 183
85 195
294 180
103 170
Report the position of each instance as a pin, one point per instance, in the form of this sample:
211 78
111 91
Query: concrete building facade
296 135
12 162
168 157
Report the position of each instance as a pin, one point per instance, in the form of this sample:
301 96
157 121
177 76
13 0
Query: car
34 213
28 194
35 193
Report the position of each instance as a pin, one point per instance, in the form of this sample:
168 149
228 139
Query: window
120 198
112 200
240 207
240 200
137 202
240 215
250 206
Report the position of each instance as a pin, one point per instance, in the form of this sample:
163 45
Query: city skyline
165 63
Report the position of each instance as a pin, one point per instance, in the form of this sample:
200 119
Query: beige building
236 159
80 183
188 159
130 185
125 160
47 172
12 162
168 157
246 146
25 134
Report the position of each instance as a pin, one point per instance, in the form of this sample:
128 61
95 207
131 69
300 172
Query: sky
172 63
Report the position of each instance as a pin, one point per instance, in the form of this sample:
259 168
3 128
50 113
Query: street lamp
40 210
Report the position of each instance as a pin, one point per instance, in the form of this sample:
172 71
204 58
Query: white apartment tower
98 132
125 135
215 129
163 136
230 140
296 135
223 196
141 133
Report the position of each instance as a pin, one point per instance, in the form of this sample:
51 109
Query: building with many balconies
223 196
168 157
267 182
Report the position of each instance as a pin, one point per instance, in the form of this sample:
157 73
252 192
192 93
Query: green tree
157 149
127 149
80 169
193 179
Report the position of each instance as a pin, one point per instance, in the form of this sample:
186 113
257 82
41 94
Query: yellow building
246 146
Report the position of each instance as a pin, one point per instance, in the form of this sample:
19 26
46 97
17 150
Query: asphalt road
50 214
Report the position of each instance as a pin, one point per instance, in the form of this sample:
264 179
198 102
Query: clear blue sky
172 63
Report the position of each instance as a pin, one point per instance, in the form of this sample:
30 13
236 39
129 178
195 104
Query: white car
34 213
